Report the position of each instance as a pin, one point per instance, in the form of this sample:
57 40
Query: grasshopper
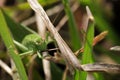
33 43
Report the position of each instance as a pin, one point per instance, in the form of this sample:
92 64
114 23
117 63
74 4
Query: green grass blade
77 75
74 35
87 56
5 33
88 49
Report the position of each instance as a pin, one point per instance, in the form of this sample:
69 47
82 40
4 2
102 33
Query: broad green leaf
18 31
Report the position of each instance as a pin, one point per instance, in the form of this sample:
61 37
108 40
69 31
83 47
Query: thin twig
102 67
50 49
41 26
56 58
57 9
115 48
64 19
65 73
6 68
28 21
46 67
15 75
50 12
42 32
31 67
90 76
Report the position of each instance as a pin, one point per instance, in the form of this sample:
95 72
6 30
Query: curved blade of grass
74 35
5 33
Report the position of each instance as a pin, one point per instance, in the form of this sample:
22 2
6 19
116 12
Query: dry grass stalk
42 32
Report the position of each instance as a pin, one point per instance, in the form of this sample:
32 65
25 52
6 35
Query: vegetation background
73 27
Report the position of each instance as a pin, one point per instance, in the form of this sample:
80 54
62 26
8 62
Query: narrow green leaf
77 75
5 33
74 35
87 56
88 50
